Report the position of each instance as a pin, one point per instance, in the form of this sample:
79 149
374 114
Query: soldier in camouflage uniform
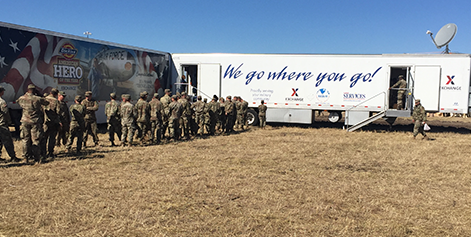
245 108
5 135
186 115
213 115
174 120
207 118
143 116
419 118
198 107
165 100
230 112
401 84
77 124
113 119
128 116
64 117
91 106
52 123
156 111
31 123
222 115
262 116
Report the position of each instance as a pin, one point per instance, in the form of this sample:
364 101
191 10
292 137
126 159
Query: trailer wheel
252 117
335 116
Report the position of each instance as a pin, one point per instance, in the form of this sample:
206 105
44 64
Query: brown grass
275 182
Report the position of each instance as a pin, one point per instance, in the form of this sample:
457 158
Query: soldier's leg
124 134
131 131
85 133
7 141
158 129
152 130
79 139
171 129
70 140
52 139
43 140
37 133
25 135
94 131
416 128
111 132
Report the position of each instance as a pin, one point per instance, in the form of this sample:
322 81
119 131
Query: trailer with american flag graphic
75 64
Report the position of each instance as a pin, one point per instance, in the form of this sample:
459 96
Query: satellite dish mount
444 36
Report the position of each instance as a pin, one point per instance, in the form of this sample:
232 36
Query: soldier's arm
94 107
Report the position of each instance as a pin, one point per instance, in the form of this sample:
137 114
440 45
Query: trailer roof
333 55
75 37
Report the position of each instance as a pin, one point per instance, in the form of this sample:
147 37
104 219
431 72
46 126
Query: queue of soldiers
48 122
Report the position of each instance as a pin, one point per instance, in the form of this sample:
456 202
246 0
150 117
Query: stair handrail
355 106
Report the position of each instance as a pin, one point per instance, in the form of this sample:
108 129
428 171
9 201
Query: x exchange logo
295 92
450 80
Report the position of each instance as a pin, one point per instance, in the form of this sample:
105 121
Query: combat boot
112 143
14 159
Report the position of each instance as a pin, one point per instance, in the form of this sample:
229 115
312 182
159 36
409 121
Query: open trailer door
427 86
210 80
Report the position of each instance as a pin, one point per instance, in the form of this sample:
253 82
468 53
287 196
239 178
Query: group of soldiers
172 117
48 122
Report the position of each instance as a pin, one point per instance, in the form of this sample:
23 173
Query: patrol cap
400 76
78 98
183 93
2 88
31 86
156 95
174 97
215 97
199 97
417 101
229 97
113 95
143 94
167 90
177 94
88 93
54 91
126 96
62 93
205 100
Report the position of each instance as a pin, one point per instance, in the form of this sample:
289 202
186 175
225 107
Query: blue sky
222 26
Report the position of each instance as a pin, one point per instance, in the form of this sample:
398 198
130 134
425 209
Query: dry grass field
281 181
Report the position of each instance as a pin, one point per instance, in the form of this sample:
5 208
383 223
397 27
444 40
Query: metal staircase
367 121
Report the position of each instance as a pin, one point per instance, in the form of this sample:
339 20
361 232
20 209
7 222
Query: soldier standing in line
156 111
262 116
174 120
222 115
419 118
112 118
77 124
230 112
52 123
128 115
5 135
64 117
143 116
237 117
213 115
245 108
401 84
198 107
31 123
91 106
207 118
186 115
165 100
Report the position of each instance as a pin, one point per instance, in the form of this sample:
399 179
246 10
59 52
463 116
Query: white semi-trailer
74 65
295 86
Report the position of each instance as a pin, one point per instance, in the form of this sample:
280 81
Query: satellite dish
444 36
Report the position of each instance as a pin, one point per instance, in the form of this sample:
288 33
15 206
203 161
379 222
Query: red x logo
450 80
295 92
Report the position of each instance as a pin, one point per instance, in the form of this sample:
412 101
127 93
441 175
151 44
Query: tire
252 117
335 116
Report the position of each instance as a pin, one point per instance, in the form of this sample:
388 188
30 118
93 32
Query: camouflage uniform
230 111
198 107
77 124
207 118
90 120
112 118
5 135
31 124
401 84
156 111
245 108
165 100
64 118
128 115
262 117
174 120
186 115
419 117
213 116
222 115
143 116
51 125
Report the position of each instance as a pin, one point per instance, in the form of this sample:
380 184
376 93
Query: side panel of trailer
289 83
75 65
